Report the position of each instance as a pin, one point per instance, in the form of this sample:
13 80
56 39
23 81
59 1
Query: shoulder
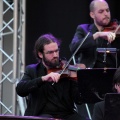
85 27
99 105
98 111
32 67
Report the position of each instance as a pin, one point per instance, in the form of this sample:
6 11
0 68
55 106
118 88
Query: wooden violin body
113 27
70 71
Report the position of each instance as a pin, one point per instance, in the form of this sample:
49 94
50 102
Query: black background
59 17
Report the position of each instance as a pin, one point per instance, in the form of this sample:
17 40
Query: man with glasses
49 95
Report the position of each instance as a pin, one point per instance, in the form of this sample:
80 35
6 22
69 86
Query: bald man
88 53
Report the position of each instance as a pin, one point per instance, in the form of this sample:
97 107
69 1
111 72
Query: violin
70 71
113 27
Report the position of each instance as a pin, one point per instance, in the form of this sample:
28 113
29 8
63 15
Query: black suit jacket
87 53
29 87
98 111
64 92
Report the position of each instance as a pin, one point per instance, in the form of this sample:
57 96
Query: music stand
95 83
106 51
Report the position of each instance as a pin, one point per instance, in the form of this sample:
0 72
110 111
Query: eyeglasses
51 52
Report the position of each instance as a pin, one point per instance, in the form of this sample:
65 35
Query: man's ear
115 86
40 55
92 15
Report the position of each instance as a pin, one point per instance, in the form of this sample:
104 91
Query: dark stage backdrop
59 17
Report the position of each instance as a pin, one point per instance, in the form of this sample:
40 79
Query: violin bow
74 54
117 29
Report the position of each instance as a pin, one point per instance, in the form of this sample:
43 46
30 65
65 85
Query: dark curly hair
42 41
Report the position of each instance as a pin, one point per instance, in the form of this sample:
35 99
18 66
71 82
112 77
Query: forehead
100 5
50 47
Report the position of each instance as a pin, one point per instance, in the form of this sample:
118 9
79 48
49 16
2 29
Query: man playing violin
88 54
44 98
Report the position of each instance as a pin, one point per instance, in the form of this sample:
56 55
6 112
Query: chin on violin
58 72
109 32
113 27
70 71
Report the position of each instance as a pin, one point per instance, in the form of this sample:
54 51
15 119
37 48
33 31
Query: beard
104 22
54 63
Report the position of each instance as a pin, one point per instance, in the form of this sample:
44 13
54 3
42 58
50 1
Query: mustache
55 58
106 18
